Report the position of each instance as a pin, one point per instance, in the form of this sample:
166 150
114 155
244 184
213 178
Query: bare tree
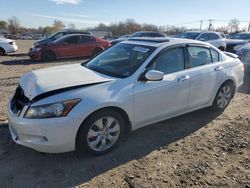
234 25
71 26
58 25
13 25
3 24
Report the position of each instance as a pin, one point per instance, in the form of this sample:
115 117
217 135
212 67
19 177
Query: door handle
183 78
218 68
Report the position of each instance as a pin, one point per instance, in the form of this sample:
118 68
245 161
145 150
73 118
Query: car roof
76 34
159 41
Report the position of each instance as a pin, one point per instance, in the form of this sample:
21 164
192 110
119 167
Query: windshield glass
188 35
120 61
56 36
243 36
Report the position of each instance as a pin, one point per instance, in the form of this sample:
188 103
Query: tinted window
85 39
199 56
146 35
170 61
213 36
156 35
72 40
243 36
215 55
188 35
204 37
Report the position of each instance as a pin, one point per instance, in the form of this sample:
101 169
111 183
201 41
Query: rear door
206 73
87 45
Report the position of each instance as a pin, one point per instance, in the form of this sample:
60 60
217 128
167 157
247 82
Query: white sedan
7 46
88 107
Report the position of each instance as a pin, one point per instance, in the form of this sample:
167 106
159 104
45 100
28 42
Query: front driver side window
170 61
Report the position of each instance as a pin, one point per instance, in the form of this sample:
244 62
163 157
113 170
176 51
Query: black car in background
58 35
237 40
137 34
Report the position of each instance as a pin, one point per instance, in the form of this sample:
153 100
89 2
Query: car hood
46 80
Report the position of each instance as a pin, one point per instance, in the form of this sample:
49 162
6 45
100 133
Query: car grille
18 101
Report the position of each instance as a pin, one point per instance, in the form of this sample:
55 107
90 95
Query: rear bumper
11 49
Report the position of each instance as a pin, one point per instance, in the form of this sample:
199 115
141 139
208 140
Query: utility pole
201 25
210 24
249 26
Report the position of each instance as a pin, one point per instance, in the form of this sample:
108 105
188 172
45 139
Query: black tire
222 95
2 51
82 140
97 51
48 56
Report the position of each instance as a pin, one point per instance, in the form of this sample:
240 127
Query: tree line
128 26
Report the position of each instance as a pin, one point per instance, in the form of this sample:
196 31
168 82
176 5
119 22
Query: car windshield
243 36
188 35
56 36
120 61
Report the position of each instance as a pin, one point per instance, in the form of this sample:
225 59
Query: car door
87 45
206 73
157 100
68 47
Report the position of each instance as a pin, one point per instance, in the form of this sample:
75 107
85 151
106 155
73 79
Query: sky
89 13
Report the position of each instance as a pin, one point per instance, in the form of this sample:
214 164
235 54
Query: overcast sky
88 13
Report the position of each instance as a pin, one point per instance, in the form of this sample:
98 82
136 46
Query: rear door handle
183 78
218 68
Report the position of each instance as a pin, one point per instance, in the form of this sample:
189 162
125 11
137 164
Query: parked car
73 45
58 35
244 53
137 34
215 38
7 46
236 41
89 107
26 37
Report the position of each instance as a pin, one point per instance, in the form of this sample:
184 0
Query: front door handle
218 68
183 78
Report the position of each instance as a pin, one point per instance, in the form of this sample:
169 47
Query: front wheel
100 133
223 97
48 56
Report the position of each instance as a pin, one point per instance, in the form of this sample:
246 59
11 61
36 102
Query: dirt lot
200 149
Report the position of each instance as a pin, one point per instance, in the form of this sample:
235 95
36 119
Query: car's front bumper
54 135
35 55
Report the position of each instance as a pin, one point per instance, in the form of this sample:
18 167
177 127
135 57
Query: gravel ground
200 149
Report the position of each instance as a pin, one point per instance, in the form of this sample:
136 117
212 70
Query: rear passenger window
170 61
215 55
199 56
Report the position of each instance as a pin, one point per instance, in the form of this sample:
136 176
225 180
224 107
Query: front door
157 100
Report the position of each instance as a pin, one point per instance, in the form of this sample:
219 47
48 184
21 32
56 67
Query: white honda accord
88 107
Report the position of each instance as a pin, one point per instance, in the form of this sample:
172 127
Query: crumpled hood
44 80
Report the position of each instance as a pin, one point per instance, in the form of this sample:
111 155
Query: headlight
53 110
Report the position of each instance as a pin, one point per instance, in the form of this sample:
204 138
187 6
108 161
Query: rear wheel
48 56
224 96
2 51
100 133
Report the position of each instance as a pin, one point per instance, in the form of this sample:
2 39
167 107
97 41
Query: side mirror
154 75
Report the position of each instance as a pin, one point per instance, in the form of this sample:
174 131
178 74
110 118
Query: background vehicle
72 45
244 53
135 83
58 35
237 40
26 37
215 38
7 46
137 34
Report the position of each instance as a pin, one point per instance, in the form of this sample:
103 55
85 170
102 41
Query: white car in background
7 46
90 106
217 39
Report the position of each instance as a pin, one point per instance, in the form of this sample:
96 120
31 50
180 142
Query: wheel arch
229 80
4 51
122 112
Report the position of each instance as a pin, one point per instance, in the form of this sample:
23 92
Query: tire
223 96
2 51
97 51
48 56
100 133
